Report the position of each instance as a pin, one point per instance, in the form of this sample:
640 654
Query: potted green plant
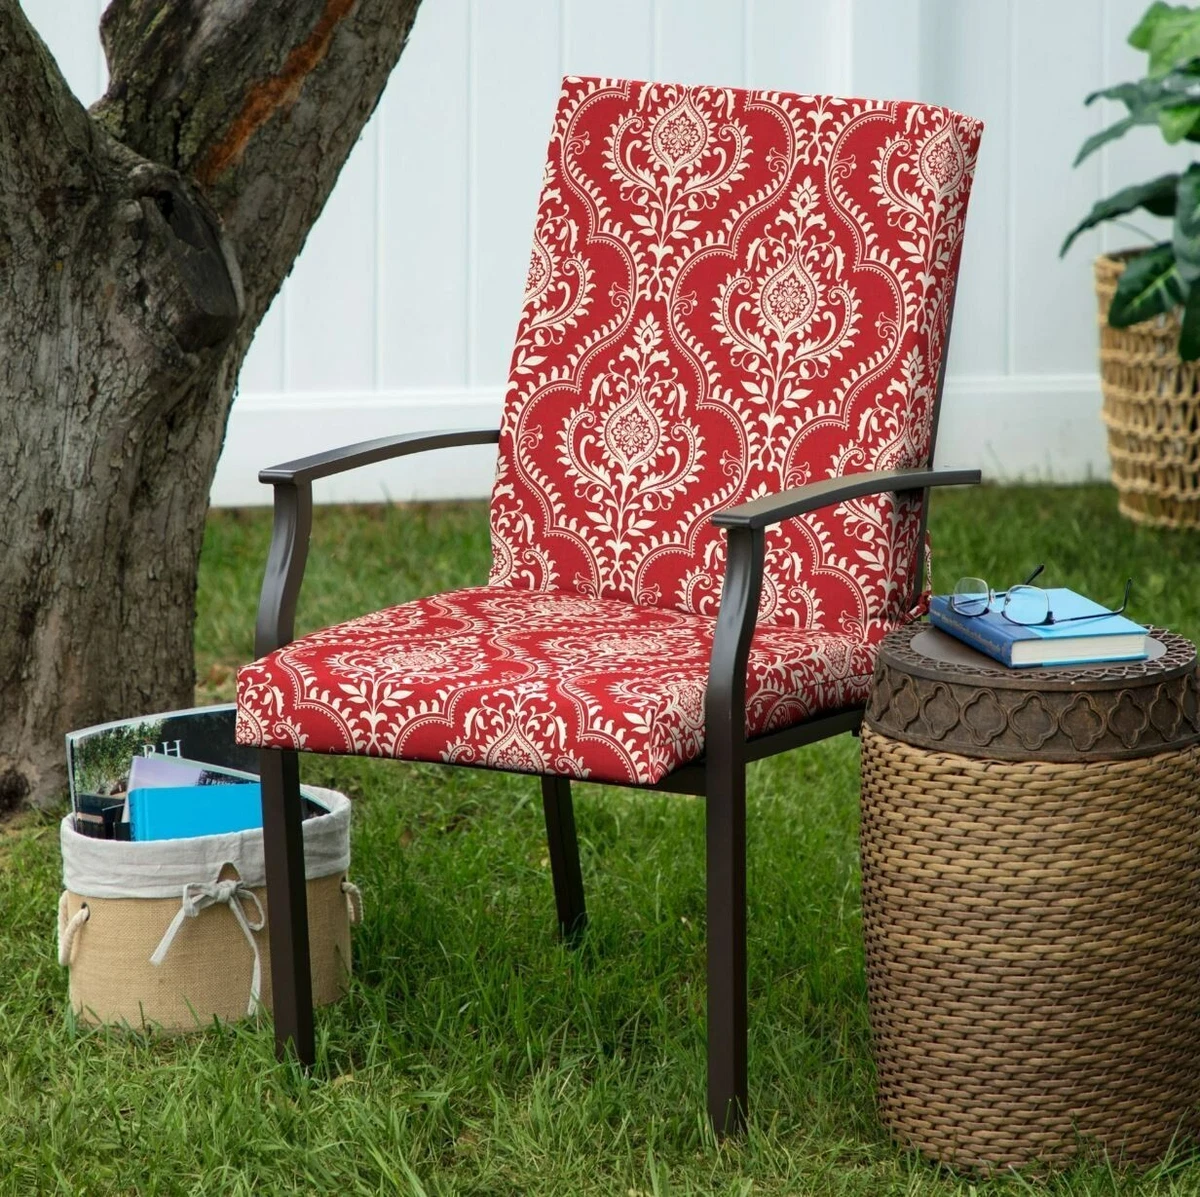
1150 297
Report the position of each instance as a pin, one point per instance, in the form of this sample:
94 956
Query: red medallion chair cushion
730 293
536 682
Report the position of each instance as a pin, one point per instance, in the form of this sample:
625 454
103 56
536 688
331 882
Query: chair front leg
287 905
725 832
564 858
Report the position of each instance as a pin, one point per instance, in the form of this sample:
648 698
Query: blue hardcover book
1106 638
178 812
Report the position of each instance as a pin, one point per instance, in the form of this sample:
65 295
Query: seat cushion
532 682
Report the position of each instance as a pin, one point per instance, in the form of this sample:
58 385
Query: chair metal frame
719 777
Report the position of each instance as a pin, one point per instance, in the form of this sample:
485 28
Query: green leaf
1146 99
1175 39
1132 95
1122 127
1149 285
1157 197
1185 236
1143 31
1177 123
1180 86
1189 333
1170 34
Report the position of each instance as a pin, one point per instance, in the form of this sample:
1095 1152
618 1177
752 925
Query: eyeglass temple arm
1028 580
1100 614
1125 600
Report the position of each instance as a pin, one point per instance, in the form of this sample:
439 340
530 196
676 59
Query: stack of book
169 776
1102 636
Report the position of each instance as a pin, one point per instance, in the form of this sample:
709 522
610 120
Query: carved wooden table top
933 691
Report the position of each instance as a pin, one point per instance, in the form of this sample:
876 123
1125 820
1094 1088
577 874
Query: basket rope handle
68 928
353 901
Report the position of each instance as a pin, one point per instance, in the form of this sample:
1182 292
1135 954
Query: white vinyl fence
399 313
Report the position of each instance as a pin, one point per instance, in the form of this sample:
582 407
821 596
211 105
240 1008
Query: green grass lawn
475 1055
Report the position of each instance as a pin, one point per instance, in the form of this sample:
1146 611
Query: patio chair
709 505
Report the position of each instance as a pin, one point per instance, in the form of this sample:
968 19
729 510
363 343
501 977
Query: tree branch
268 96
46 139
257 103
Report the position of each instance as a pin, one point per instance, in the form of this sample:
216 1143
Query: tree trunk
140 246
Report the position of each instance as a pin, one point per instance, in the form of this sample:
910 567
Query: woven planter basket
168 935
1033 951
1152 412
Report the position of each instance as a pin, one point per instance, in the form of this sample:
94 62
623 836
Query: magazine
99 758
178 753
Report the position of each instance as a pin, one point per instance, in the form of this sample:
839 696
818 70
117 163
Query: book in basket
1107 637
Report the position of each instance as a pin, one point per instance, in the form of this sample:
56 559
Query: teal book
1107 637
179 812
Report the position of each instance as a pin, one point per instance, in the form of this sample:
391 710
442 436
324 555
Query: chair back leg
564 858
287 905
726 878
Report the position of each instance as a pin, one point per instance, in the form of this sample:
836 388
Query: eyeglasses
1023 604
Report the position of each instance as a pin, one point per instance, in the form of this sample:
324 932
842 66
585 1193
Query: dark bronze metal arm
772 509
350 457
292 480
725 705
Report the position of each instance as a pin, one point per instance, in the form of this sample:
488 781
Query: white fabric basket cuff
95 868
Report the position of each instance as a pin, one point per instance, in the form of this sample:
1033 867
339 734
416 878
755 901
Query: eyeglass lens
971 596
1026 604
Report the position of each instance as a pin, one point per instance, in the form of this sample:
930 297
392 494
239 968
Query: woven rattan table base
1033 951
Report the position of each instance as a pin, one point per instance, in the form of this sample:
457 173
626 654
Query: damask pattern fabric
537 682
730 293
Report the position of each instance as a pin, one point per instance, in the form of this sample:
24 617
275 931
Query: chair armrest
772 509
293 480
725 702
350 457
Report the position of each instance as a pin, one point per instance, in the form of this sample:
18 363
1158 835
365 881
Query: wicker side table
1031 901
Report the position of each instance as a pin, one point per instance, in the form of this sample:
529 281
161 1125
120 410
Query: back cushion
730 293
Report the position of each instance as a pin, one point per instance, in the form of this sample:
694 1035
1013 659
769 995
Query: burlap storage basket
170 934
1033 951
1152 412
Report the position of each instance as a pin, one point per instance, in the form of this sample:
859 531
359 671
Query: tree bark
140 246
